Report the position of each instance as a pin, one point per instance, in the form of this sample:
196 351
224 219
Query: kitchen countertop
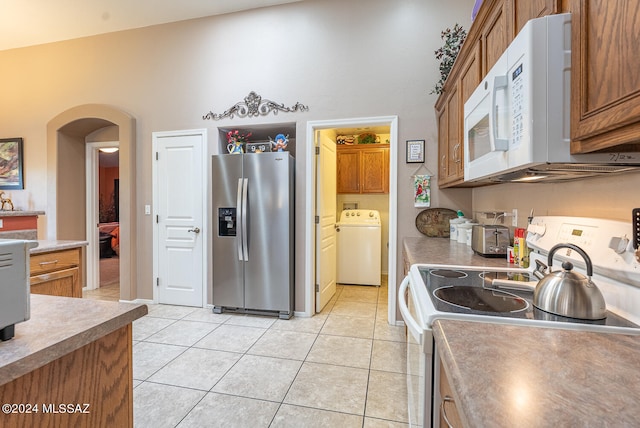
59 325
446 251
45 246
19 213
506 376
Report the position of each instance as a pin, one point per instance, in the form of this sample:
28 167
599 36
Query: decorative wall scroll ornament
253 106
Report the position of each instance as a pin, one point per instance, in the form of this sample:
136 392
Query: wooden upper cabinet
605 77
375 170
454 125
494 37
443 144
470 75
362 169
348 170
524 10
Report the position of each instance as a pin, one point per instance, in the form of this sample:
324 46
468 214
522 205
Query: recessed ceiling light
109 149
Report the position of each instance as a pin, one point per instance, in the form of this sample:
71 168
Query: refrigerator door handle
239 210
245 229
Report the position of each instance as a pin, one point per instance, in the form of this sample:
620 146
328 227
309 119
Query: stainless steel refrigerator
253 236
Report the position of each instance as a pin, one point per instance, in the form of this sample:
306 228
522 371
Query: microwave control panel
517 105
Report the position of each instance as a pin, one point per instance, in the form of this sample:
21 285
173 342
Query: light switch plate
147 210
514 218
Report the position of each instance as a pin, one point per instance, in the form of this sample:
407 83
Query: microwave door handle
499 144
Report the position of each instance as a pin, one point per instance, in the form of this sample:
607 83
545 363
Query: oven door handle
411 323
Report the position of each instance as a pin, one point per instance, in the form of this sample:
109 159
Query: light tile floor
344 367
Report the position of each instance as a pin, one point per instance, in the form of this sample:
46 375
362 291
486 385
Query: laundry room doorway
328 194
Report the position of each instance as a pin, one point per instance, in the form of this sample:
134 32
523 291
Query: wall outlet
514 218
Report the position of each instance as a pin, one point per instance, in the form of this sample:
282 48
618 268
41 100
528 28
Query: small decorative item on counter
453 225
236 139
280 144
520 250
422 191
5 201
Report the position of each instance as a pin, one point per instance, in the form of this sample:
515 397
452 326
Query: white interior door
326 227
179 217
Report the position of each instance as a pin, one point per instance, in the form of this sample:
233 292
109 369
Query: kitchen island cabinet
73 360
506 376
56 268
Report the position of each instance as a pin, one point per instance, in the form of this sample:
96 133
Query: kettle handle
579 250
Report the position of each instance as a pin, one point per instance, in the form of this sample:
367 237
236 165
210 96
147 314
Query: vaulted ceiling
33 22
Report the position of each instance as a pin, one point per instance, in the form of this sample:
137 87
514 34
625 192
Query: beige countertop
45 246
515 376
59 325
446 251
19 213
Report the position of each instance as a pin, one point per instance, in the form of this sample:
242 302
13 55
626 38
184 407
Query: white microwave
517 121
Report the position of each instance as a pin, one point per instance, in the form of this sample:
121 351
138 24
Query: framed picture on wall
415 151
11 163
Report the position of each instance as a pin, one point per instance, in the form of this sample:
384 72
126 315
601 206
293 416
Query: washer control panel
360 217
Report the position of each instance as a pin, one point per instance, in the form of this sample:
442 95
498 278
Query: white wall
342 58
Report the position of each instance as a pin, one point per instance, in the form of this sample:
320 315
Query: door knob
195 229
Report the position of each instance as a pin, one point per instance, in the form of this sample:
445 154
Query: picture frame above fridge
11 164
415 151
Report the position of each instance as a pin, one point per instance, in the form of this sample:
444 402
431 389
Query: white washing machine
359 247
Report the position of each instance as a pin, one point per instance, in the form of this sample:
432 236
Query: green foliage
447 54
367 138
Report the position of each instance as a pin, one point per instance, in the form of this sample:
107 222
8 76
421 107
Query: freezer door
228 290
269 265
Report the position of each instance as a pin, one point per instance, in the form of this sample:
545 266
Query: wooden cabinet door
524 10
449 415
469 81
375 170
454 127
494 37
443 145
348 170
64 283
605 82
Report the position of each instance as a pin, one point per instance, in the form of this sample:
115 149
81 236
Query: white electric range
504 295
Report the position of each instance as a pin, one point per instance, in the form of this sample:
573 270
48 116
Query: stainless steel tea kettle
568 293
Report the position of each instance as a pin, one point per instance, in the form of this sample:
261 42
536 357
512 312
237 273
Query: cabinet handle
52 262
446 399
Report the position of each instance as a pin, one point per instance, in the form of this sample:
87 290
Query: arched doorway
66 203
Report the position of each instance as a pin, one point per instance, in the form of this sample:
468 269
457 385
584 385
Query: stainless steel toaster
15 292
490 240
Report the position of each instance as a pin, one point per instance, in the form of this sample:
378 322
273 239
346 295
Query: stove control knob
619 245
370 213
358 213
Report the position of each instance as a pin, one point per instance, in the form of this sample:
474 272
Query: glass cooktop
473 292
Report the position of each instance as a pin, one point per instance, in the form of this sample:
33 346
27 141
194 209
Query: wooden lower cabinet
57 273
449 415
89 387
